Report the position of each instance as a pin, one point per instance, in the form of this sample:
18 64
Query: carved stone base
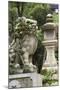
25 80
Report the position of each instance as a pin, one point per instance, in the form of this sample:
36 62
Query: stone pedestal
25 80
50 58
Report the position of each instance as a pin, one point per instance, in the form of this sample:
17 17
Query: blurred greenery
55 17
47 76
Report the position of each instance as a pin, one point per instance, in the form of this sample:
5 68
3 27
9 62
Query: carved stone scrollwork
14 84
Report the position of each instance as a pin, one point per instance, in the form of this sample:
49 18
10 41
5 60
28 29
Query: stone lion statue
27 46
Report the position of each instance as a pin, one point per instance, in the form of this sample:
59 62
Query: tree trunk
20 8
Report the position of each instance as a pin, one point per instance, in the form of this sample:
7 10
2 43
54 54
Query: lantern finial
49 18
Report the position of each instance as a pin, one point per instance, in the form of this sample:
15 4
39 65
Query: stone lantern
50 42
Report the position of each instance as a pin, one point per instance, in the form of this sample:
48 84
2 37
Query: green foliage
13 14
56 20
39 35
47 76
55 17
49 82
37 12
27 9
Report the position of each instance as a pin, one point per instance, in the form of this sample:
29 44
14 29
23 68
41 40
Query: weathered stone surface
14 84
29 46
25 80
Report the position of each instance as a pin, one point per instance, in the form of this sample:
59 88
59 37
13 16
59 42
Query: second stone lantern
50 43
